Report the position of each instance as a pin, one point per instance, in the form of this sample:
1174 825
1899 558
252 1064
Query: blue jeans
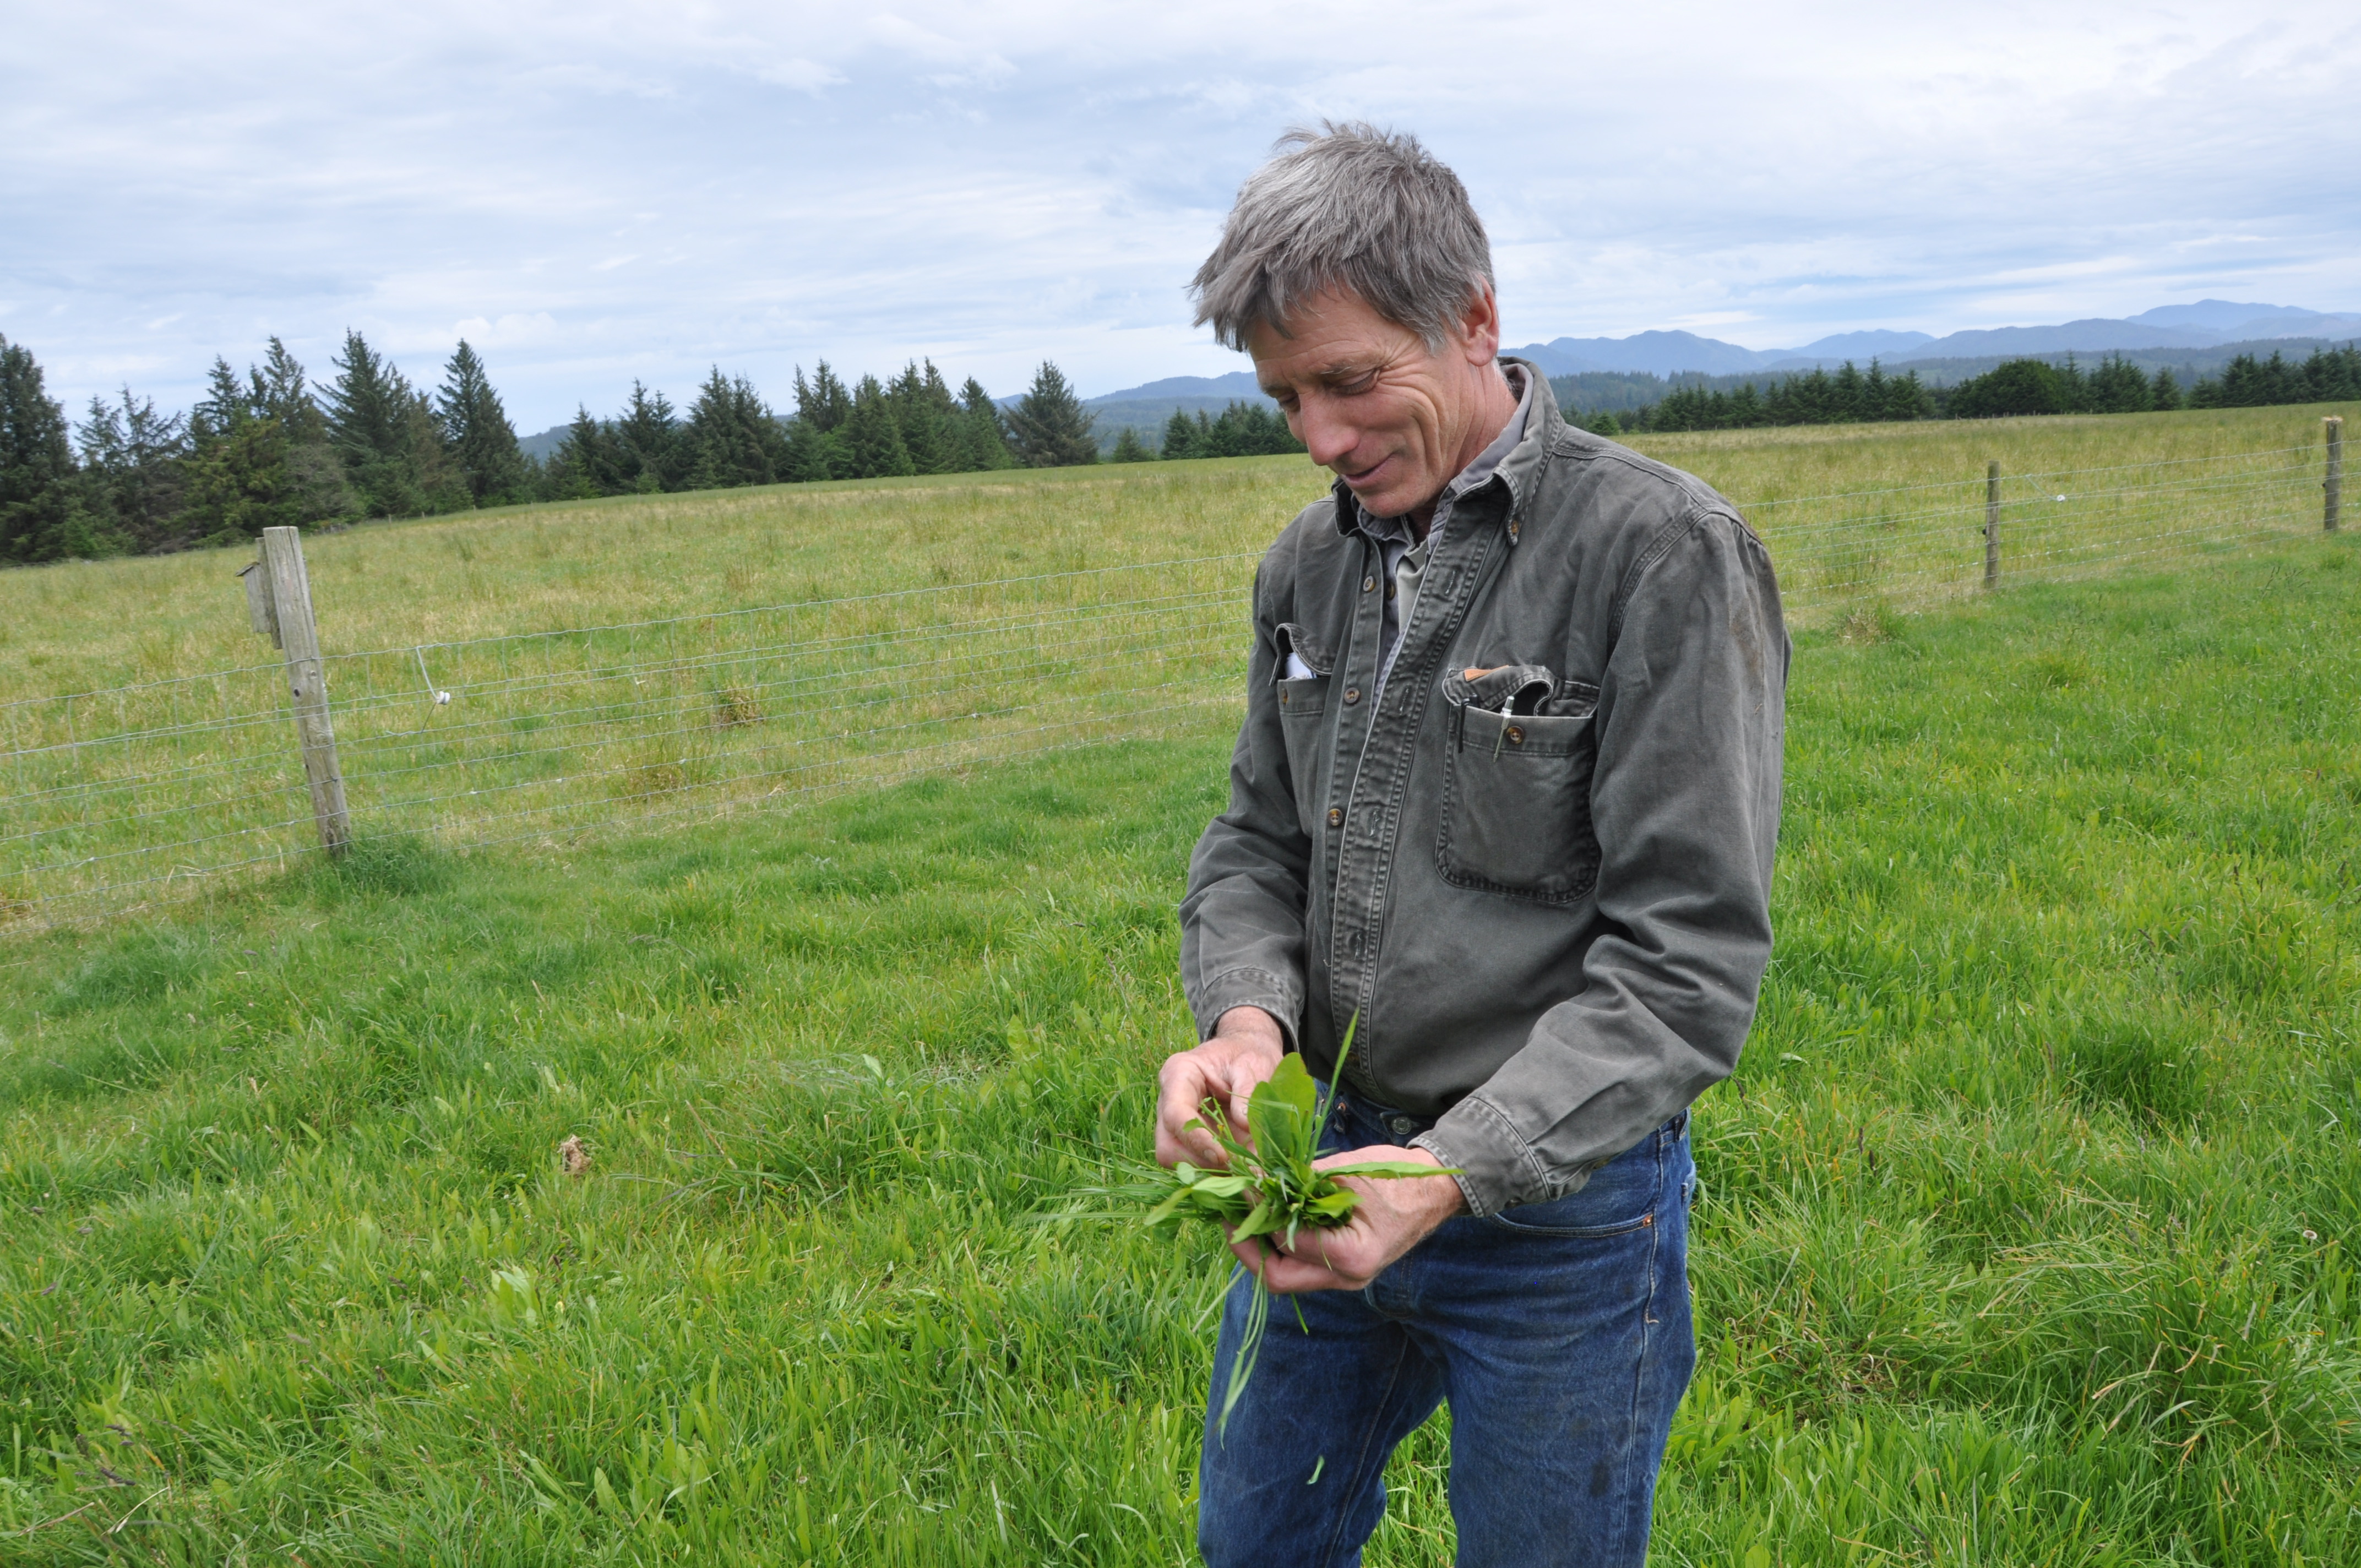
1559 1333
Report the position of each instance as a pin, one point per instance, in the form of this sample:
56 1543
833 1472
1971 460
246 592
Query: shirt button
1401 1127
1516 736
1335 818
1352 696
1368 584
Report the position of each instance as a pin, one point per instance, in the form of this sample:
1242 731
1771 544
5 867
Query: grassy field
94 625
666 657
2026 1236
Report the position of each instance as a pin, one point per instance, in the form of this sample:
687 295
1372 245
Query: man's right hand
1245 1048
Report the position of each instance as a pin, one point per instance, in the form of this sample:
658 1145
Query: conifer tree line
269 447
1241 429
1851 396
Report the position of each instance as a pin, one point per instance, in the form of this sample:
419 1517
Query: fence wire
139 791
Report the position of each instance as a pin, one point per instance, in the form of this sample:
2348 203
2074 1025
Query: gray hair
1348 206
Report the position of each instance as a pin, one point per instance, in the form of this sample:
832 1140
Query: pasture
563 669
2027 1219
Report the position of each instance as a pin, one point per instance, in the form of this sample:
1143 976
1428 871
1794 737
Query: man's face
1391 417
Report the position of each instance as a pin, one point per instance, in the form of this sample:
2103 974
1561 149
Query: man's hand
1394 1215
1245 1049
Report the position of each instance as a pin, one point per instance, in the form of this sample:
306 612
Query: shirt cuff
1498 1170
1249 988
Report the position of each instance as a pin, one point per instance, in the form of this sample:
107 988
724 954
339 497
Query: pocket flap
1504 688
1305 645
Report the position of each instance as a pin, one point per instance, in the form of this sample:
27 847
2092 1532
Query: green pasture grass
657 657
91 625
2025 1234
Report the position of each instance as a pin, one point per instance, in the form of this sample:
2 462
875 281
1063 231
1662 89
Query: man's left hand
1394 1215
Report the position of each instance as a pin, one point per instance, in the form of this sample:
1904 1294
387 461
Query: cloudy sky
592 192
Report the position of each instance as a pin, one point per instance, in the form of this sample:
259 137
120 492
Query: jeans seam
1647 1336
1360 1463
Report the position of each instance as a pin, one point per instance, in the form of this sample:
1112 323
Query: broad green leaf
1391 1167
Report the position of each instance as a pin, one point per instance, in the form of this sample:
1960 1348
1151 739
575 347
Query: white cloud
599 191
803 75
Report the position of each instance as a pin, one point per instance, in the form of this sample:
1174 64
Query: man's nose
1325 437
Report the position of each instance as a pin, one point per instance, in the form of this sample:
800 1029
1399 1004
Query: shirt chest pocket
1520 752
1303 688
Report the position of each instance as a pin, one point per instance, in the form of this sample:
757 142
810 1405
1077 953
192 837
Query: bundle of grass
1267 1188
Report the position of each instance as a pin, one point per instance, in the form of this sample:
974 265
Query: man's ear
1479 326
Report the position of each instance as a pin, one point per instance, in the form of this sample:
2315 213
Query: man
1507 790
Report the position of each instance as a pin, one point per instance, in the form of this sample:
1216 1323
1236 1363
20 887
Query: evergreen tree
872 442
247 470
1129 448
736 438
483 444
2165 392
1180 436
2333 374
426 455
823 403
651 456
984 434
1048 427
2018 387
43 517
814 454
280 390
133 474
315 479
2117 386
927 418
372 429
586 462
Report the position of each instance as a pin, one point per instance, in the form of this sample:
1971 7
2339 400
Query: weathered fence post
2335 483
1992 524
289 593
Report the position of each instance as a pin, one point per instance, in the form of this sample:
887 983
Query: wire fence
137 793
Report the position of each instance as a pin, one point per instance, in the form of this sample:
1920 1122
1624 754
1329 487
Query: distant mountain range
2207 324
2204 324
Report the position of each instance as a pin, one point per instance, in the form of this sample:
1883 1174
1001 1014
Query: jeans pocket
1621 1195
1516 800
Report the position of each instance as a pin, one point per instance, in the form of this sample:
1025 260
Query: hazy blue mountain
2217 315
2094 335
1236 384
1671 353
2297 323
2205 325
1858 347
1654 353
543 448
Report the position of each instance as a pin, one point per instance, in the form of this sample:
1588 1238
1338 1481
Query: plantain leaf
1391 1167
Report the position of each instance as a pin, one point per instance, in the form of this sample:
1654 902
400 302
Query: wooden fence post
2334 484
291 609
1992 524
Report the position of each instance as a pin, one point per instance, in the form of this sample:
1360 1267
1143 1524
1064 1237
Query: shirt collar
1386 529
